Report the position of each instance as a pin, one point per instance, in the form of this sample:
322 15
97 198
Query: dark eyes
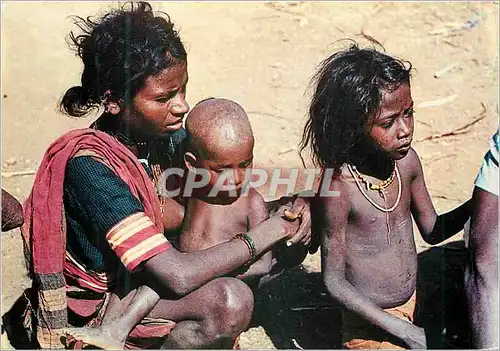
162 100
246 164
408 113
166 98
388 124
170 95
241 165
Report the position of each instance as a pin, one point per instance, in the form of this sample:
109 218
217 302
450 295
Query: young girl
361 125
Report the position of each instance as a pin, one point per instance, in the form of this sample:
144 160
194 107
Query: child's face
159 107
232 162
392 126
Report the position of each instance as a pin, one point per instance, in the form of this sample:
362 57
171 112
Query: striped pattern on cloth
136 239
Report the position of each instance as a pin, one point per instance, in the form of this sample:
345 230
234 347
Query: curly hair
119 51
348 90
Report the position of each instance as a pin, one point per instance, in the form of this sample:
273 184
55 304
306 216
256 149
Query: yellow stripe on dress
120 236
142 248
53 300
105 278
124 223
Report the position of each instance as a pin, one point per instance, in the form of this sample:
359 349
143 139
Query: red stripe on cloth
149 334
123 248
84 279
147 255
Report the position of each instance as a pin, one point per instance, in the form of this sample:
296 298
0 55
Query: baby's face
392 130
227 166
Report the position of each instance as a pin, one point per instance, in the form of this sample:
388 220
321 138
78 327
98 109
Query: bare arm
257 214
481 273
173 214
433 228
12 212
185 272
300 204
332 214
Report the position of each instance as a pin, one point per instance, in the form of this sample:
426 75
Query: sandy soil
263 56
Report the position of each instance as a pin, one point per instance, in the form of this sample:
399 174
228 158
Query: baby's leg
120 318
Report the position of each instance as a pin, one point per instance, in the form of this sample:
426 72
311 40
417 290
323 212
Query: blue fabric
95 200
487 178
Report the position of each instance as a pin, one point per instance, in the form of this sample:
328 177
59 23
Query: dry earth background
263 55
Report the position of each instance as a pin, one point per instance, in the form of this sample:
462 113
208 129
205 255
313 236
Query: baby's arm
331 217
433 228
257 214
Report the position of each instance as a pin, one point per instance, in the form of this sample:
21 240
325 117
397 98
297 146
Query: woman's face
159 107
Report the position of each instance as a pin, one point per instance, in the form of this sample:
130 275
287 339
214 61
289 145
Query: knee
233 306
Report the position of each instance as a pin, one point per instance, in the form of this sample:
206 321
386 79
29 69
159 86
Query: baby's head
220 140
362 100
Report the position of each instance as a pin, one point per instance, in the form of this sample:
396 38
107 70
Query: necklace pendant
388 230
382 195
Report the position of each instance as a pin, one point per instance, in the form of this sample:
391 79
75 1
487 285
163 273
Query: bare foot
99 337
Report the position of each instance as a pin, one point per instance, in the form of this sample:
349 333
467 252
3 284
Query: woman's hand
292 223
300 209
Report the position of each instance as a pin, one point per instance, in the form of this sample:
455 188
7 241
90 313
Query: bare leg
120 318
209 317
284 259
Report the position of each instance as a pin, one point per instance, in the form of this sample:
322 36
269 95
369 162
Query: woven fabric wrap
44 230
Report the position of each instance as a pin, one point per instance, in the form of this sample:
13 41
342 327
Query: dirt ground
263 55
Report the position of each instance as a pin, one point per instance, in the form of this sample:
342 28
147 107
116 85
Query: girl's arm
434 228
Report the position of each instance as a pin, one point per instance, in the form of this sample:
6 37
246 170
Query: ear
113 107
190 161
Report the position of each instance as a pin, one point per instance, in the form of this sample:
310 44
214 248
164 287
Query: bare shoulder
255 198
334 198
257 210
330 209
410 164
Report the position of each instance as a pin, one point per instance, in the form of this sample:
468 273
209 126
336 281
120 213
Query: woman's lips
404 146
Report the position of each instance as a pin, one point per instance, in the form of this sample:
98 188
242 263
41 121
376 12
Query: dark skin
207 225
204 318
360 268
227 152
222 144
12 212
481 273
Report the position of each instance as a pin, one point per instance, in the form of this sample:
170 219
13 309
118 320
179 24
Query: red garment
44 229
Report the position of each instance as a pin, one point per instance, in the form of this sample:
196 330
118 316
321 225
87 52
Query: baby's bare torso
207 224
380 265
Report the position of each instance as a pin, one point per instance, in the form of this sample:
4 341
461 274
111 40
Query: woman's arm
185 272
111 216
